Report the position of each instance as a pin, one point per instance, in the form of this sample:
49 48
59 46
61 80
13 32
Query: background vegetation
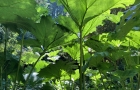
69 45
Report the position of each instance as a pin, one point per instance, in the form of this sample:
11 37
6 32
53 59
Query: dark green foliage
72 51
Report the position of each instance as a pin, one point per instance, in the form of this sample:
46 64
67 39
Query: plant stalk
138 62
32 70
19 61
5 59
81 61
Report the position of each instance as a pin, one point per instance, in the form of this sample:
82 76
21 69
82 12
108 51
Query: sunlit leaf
73 51
88 14
128 21
29 57
132 39
55 70
40 65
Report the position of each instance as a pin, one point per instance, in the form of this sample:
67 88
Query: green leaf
103 9
40 65
115 55
132 39
137 1
95 60
53 53
125 74
12 27
105 67
31 42
132 60
125 26
20 77
29 57
47 33
95 45
9 9
91 25
41 11
73 51
75 76
97 41
11 65
115 18
55 70
68 23
88 14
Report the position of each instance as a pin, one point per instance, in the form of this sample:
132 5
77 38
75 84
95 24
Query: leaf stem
81 61
32 70
5 58
19 60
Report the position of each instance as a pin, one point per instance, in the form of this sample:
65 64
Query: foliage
12 8
67 52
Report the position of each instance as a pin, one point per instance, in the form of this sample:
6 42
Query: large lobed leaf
47 33
88 9
9 9
88 14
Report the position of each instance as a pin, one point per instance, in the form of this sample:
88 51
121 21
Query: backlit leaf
88 14
11 8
